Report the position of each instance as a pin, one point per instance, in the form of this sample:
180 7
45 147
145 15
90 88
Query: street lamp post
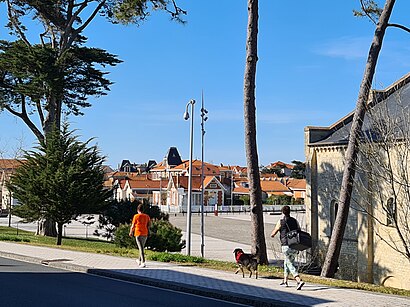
191 147
203 120
9 205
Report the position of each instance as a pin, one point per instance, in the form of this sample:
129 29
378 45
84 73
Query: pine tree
255 192
60 181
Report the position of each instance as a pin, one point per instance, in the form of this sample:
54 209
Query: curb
181 287
192 289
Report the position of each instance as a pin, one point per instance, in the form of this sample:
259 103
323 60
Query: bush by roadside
163 237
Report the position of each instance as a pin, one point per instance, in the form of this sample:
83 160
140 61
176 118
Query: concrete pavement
207 282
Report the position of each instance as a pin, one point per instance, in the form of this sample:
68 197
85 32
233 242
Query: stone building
367 254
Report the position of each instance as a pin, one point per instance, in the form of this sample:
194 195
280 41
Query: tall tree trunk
47 228
60 233
53 120
255 192
333 252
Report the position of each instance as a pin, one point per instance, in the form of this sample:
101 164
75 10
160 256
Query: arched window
391 212
334 207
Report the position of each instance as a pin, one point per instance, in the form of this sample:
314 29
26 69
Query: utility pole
203 120
9 205
191 147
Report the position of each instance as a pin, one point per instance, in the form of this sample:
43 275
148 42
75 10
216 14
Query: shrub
153 211
167 257
122 238
121 213
165 237
13 238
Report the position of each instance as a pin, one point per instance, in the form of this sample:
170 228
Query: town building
376 213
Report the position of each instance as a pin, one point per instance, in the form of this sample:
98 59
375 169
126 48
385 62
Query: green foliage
154 212
272 170
167 257
114 215
298 170
135 11
245 199
57 74
279 200
121 213
163 236
370 9
60 181
13 238
122 238
39 72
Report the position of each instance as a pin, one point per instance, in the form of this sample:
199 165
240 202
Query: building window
334 207
391 212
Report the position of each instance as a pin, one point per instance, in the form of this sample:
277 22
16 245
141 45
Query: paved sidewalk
224 285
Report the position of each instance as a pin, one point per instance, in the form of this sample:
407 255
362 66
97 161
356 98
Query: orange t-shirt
140 224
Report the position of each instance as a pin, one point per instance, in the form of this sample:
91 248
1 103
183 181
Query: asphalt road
26 284
229 227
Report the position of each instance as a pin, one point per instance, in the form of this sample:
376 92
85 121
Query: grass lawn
104 247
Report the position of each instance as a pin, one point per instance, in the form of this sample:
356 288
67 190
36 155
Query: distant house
275 188
174 197
128 167
7 168
298 188
165 168
136 188
284 168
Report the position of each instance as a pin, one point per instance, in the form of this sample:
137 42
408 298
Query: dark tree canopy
45 69
60 181
56 73
299 169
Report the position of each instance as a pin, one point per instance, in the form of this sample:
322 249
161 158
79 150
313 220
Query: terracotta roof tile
10 163
296 184
273 186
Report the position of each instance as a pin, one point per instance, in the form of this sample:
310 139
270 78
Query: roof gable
338 133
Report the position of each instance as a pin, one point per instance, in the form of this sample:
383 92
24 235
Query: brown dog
248 261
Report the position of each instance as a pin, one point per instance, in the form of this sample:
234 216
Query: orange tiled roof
268 176
207 180
118 174
273 186
145 182
182 181
209 169
159 167
296 184
240 190
10 163
281 164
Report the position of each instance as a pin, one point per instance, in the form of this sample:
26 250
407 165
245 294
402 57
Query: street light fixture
191 147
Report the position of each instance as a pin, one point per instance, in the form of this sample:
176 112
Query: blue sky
311 60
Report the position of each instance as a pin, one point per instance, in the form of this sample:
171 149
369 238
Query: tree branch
24 117
395 25
13 19
366 12
91 17
40 111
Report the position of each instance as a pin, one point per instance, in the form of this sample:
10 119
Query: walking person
139 228
284 225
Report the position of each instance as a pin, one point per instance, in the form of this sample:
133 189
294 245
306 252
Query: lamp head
186 115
